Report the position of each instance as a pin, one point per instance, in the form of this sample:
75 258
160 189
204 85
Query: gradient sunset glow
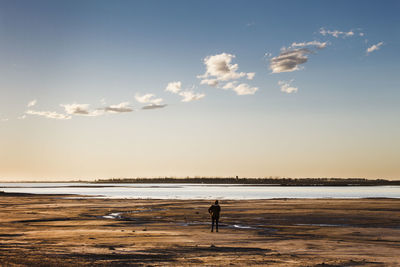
100 89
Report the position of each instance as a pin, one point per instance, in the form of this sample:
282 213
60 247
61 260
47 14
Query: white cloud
241 89
230 85
336 33
250 75
103 101
119 108
286 88
317 44
76 109
188 96
148 99
49 114
174 87
220 68
81 109
4 119
245 89
210 82
31 103
221 73
374 47
296 54
22 117
153 106
289 60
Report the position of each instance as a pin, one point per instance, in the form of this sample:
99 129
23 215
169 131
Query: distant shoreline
256 181
238 181
84 197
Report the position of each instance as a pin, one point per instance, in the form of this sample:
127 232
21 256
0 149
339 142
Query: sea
200 191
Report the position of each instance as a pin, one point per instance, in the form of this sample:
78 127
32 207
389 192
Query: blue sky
87 69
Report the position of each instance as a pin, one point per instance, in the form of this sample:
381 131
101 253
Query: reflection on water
323 224
242 226
202 191
115 215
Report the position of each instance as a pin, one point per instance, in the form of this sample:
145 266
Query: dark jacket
214 210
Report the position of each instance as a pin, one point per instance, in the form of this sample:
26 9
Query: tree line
257 181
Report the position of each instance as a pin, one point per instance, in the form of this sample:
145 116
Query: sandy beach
51 230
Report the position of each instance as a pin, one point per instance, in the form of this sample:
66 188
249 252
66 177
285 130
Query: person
214 211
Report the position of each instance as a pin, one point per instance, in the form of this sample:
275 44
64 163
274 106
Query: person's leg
212 224
216 223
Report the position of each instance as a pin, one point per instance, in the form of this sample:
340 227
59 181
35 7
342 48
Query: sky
103 89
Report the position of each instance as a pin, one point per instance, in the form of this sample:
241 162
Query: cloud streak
154 106
336 33
317 44
49 114
79 110
374 47
31 103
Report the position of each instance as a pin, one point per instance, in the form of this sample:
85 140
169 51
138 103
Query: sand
51 230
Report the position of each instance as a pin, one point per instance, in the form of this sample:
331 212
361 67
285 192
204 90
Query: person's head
216 202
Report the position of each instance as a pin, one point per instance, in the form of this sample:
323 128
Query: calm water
202 191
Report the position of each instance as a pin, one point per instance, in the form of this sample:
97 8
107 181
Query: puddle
140 210
238 226
118 215
194 223
235 226
115 215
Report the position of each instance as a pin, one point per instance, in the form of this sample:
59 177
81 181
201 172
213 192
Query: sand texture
50 230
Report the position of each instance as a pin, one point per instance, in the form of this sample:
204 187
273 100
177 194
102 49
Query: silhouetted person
214 210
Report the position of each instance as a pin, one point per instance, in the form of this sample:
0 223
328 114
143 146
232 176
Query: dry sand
54 231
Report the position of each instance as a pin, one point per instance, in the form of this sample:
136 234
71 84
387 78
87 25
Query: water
202 191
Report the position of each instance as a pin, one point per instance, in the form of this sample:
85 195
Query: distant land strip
259 181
